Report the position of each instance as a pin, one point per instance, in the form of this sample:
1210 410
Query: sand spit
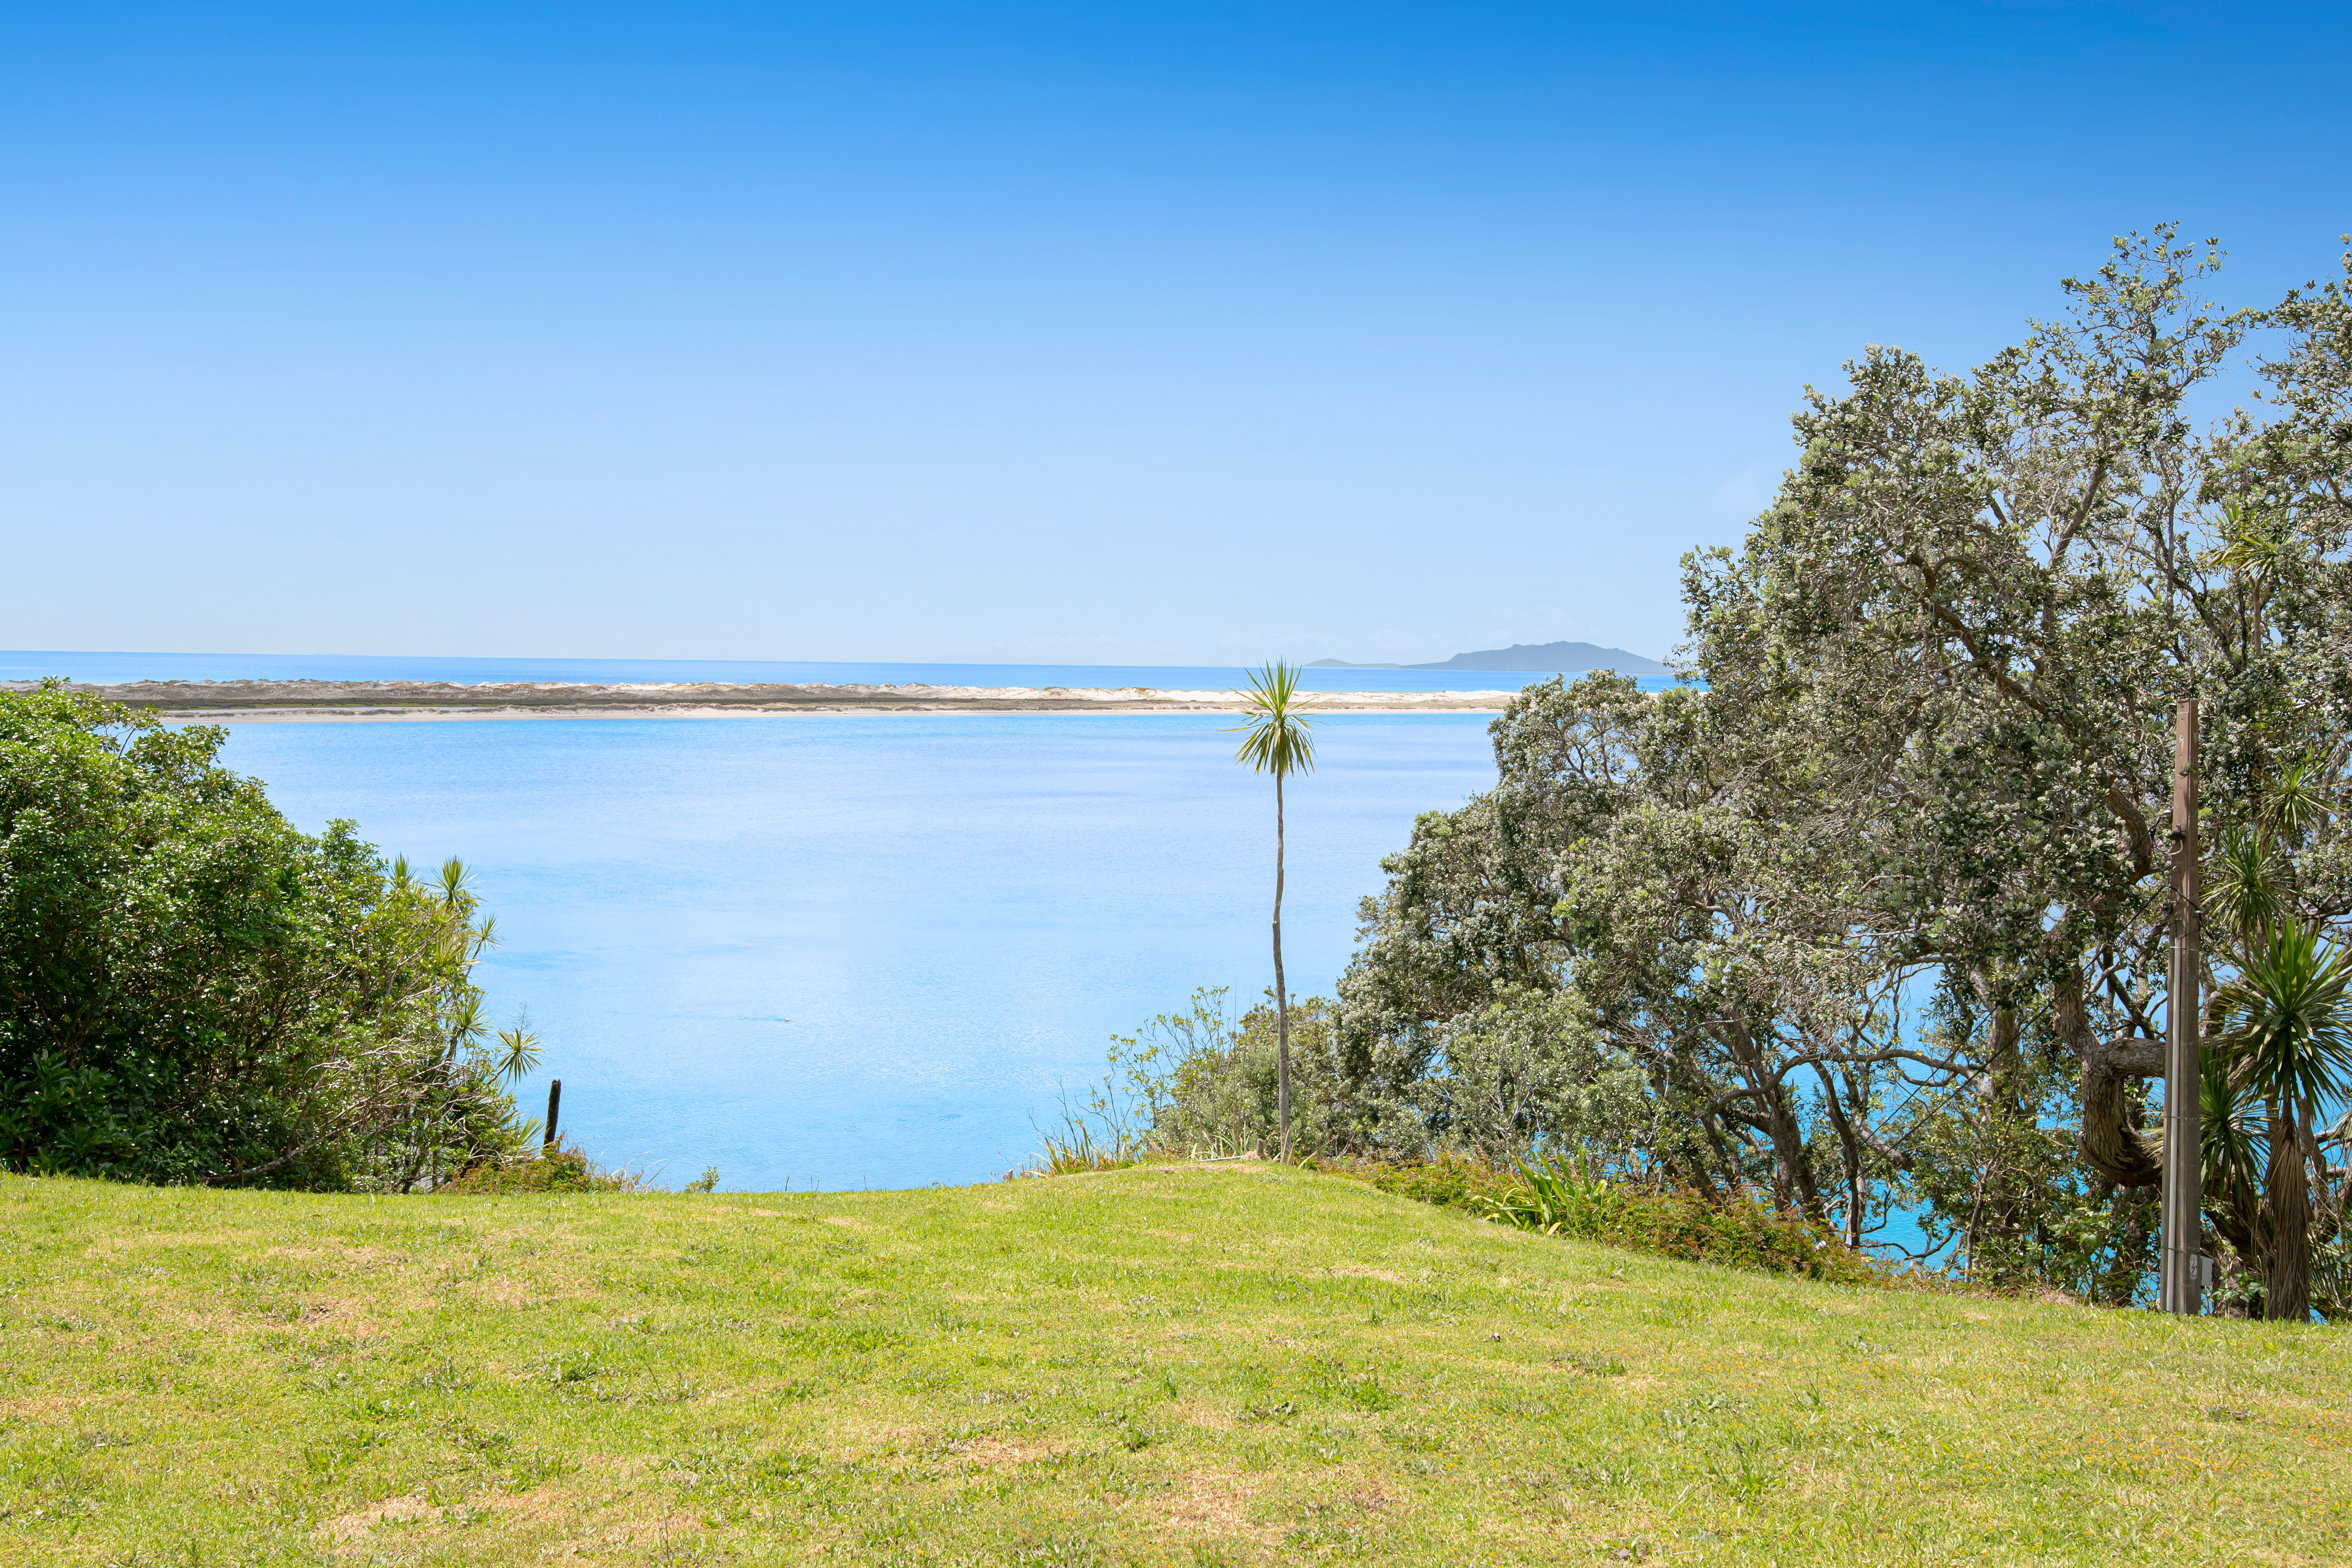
349 701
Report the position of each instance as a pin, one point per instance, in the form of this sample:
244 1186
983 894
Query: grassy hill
1209 1366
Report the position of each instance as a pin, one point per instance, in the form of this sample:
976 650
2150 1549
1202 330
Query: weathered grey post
2180 1280
554 1099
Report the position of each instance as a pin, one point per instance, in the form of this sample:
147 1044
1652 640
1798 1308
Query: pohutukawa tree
1870 915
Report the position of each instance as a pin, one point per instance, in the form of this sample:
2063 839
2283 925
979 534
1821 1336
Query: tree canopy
1869 911
191 990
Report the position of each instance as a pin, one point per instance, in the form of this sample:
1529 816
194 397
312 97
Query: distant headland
1562 657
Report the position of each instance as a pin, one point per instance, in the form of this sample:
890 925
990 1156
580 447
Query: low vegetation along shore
1224 1364
251 701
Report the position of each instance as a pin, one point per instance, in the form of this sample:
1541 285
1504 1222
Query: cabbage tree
1276 739
2289 1021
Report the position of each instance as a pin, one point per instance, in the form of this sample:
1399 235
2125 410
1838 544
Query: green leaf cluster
1870 913
194 991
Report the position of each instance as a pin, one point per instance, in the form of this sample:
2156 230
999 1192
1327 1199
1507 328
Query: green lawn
1230 1365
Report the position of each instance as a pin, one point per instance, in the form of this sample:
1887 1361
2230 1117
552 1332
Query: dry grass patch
1217 1502
391 1510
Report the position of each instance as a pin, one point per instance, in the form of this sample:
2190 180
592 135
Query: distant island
1563 658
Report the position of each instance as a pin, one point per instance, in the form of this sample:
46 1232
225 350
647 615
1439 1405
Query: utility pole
2181 1280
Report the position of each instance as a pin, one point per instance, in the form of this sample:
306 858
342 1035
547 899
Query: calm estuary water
867 951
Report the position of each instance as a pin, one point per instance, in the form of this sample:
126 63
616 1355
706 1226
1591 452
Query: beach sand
370 701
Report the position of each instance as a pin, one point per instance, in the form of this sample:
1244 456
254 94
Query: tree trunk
2136 1214
2286 1296
2000 1204
1281 992
2111 1145
1850 1150
1794 1182
2236 1212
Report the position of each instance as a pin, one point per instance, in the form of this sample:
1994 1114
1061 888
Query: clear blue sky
1113 333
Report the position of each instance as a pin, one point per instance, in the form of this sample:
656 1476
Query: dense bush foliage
191 990
1870 915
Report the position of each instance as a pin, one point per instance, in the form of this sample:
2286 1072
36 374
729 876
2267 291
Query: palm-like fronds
518 1056
2298 801
2241 885
1273 730
2289 1019
2232 1153
457 881
2232 1156
466 1023
2254 539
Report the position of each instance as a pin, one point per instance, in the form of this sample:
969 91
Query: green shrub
191 990
1558 1198
563 1169
1449 1180
1744 1232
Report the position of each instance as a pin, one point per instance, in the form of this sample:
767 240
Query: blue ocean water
867 951
109 669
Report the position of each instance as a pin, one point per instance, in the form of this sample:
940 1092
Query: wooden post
554 1099
2181 1274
